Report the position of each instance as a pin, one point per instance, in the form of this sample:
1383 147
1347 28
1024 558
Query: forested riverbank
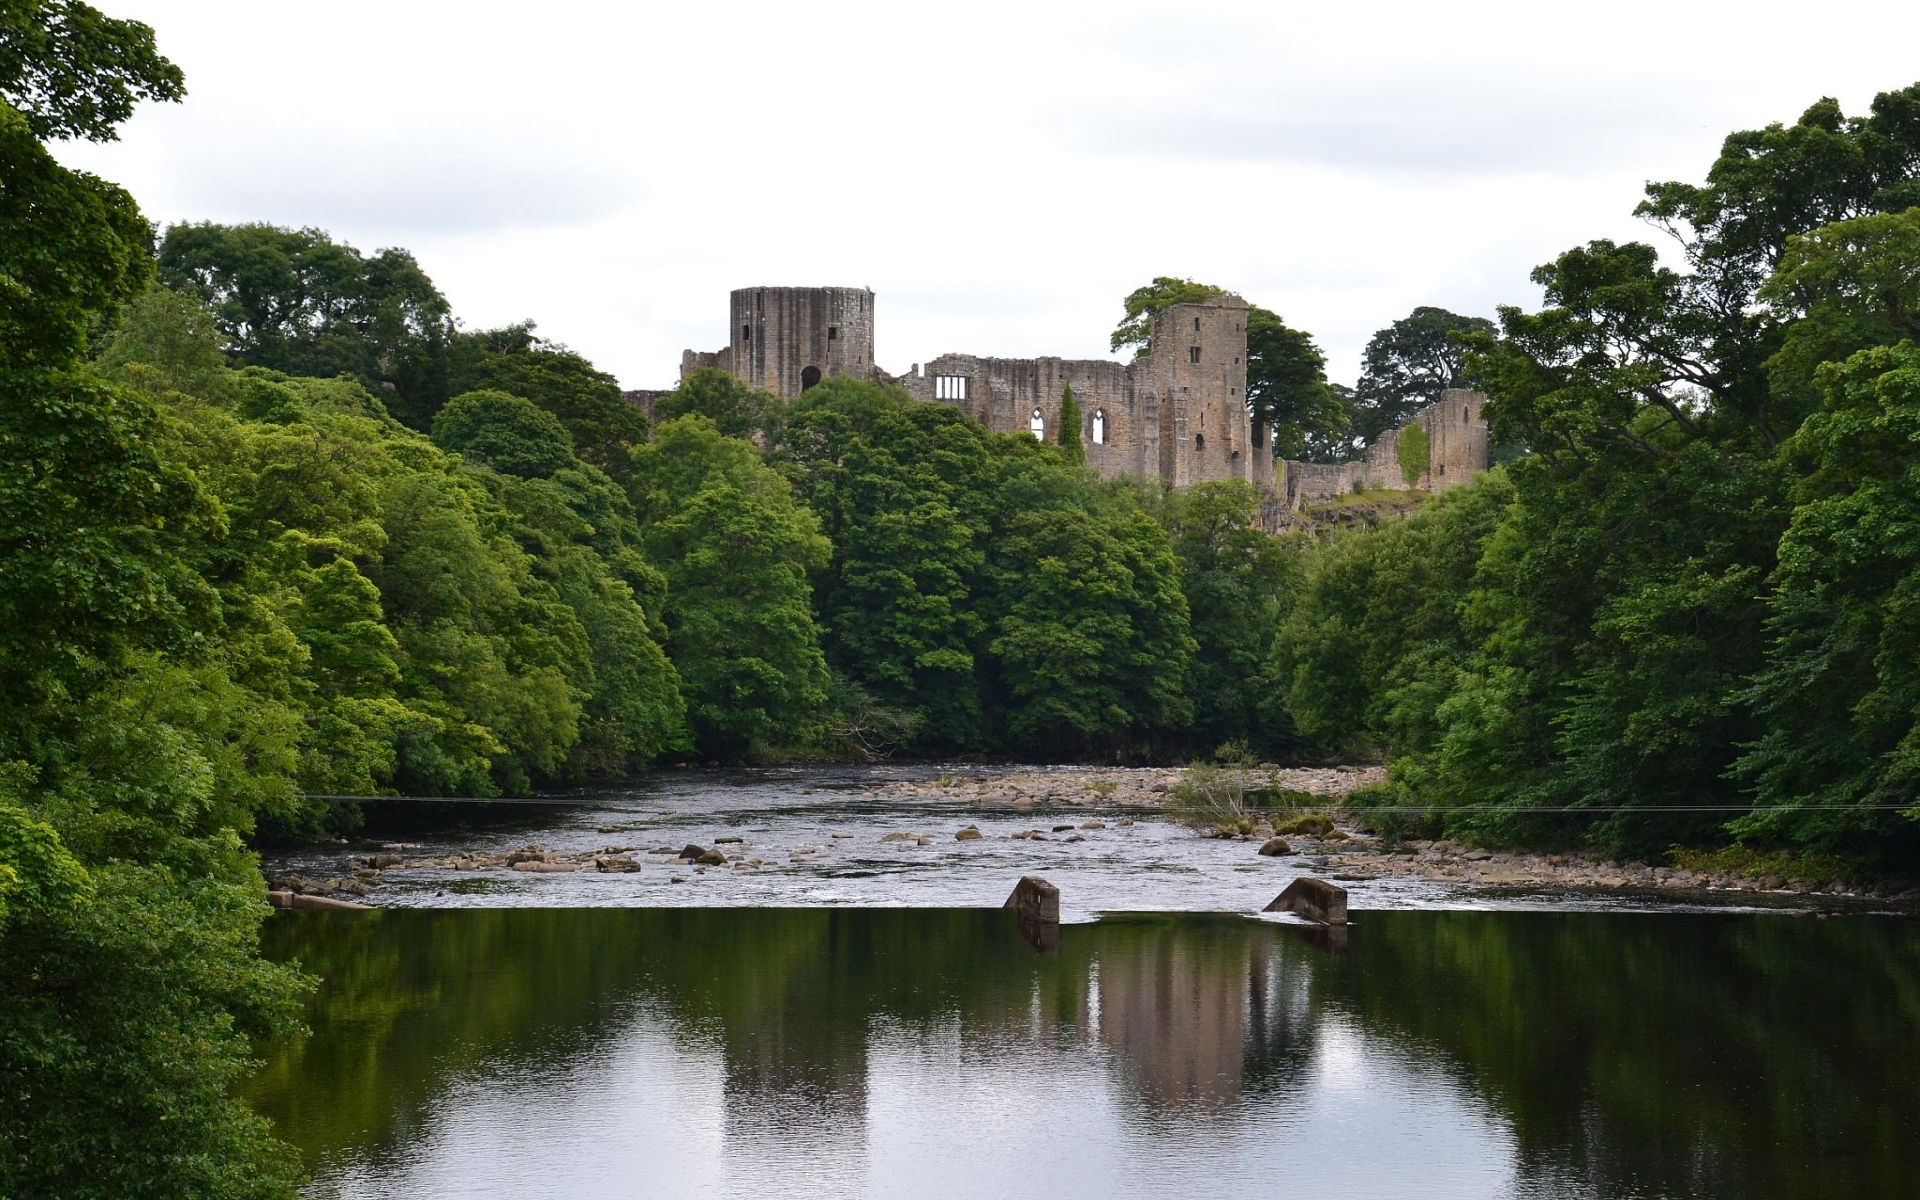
274 525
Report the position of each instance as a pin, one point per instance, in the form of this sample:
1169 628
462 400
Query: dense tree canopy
1408 364
605 428
1693 593
70 71
128 909
295 300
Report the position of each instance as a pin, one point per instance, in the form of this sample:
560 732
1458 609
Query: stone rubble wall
1457 451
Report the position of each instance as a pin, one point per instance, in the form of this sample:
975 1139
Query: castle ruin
1177 413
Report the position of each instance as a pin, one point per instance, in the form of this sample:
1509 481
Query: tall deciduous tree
1408 364
71 71
737 550
128 910
295 300
604 426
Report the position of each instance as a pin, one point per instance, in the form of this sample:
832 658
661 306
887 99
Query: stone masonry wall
1457 451
1177 413
784 340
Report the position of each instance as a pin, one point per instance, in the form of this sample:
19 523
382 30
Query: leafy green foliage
294 300
1238 582
736 410
605 428
984 584
504 432
70 71
72 247
1089 637
736 549
1841 686
1414 450
1071 447
901 491
1693 590
130 760
1408 364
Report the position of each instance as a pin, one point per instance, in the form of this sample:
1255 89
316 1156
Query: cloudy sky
1001 174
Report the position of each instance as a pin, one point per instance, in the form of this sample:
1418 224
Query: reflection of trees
789 997
1664 1055
1716 1055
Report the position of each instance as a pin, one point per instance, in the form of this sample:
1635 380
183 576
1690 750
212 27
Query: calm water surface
876 1052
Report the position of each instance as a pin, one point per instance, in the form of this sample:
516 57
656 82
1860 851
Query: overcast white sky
1001 174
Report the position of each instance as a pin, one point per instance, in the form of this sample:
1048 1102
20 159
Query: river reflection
830 1052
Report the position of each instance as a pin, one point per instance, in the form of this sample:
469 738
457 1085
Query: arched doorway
809 377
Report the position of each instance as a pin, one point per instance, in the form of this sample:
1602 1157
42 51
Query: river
848 1025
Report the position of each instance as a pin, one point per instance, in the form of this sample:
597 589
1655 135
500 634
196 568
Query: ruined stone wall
1177 413
784 340
1004 393
1457 451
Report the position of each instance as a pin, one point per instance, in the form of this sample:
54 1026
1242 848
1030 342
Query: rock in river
1275 847
969 834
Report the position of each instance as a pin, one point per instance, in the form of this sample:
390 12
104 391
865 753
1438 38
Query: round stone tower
786 339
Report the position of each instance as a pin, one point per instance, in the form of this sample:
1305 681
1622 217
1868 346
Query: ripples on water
936 1053
1150 865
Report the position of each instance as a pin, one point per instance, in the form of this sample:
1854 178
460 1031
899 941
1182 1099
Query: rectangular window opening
833 333
746 333
1196 324
949 387
1193 354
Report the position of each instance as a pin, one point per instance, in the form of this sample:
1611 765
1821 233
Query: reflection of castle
1177 413
1181 1019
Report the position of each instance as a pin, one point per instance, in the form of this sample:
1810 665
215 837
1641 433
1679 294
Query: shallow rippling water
789 818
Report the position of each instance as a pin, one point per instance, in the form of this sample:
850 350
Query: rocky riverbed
930 835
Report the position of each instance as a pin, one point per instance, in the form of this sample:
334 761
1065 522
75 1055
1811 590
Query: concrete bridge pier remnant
1314 899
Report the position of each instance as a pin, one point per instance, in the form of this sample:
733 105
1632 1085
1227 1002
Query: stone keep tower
1196 378
785 340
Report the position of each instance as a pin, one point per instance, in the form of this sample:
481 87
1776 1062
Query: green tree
70 71
1238 581
1089 638
294 300
1071 447
901 490
504 432
736 549
1408 364
604 425
736 410
1841 686
128 908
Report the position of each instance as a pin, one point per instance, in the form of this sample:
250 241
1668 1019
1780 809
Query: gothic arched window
1099 426
1038 425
